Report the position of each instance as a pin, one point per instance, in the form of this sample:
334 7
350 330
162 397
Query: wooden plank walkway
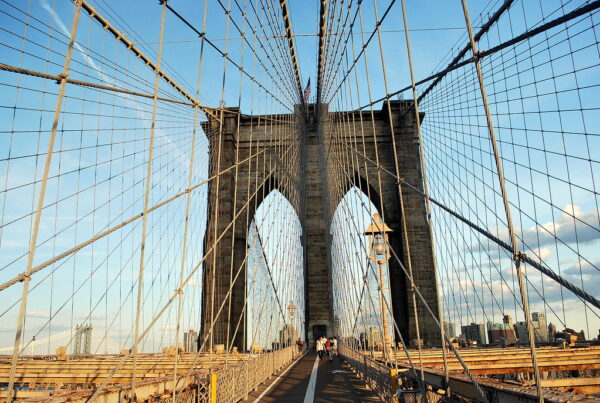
335 382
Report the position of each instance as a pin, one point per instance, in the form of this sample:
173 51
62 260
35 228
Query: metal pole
40 207
515 249
384 322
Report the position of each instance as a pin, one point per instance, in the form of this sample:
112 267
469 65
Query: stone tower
306 192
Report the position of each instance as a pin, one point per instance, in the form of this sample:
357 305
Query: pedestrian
329 348
320 346
300 344
335 346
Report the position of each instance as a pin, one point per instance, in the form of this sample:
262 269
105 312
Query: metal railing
231 382
235 382
386 382
378 377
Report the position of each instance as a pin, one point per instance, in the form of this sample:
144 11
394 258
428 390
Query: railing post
394 378
246 388
394 383
213 387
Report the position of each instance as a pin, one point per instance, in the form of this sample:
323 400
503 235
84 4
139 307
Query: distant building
190 341
551 332
521 329
476 332
449 330
501 333
507 320
540 329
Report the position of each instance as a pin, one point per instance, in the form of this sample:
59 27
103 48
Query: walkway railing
401 385
381 379
234 383
230 382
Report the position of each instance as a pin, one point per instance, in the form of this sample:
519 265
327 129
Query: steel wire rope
563 282
482 54
33 240
208 252
122 224
383 297
375 144
188 203
416 290
216 48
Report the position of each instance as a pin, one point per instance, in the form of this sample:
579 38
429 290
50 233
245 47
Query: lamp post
379 253
292 315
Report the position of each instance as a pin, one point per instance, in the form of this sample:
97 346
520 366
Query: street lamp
377 235
292 311
292 315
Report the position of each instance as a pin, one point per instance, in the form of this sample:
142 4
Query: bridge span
193 192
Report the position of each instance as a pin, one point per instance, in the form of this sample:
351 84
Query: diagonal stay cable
20 277
523 258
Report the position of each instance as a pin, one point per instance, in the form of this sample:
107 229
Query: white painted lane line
310 390
279 377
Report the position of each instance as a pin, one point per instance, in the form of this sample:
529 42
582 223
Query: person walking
320 346
329 348
335 346
300 345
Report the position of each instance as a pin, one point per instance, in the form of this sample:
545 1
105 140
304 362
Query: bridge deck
333 382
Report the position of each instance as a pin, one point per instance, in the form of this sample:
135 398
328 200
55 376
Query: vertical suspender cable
402 211
147 200
40 205
187 207
505 200
427 201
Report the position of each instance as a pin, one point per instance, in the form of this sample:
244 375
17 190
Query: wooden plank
566 382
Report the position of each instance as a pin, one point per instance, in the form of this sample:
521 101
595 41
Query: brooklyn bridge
299 200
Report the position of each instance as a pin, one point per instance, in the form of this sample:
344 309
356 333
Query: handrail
231 382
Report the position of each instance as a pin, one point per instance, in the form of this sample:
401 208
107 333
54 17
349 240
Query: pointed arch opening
275 275
356 280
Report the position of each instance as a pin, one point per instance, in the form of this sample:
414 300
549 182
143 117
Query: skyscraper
190 343
476 332
540 327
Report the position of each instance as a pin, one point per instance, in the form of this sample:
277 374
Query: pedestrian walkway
312 380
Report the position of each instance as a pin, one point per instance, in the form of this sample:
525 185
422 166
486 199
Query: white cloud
572 225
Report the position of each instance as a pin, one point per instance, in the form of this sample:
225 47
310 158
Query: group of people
327 346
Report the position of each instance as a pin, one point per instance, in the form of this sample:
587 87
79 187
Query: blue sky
97 180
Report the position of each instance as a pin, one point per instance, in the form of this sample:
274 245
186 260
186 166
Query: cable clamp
519 256
61 77
179 291
476 57
25 276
